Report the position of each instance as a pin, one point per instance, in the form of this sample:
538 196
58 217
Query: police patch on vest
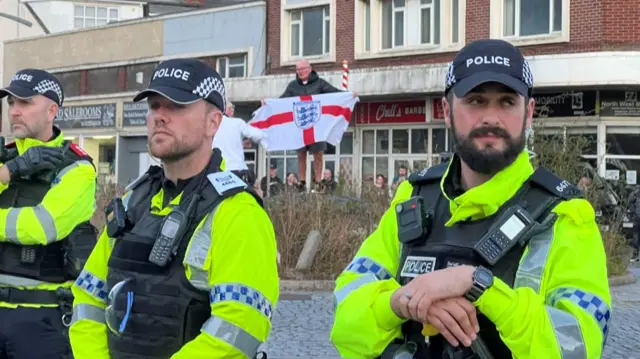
225 181
416 265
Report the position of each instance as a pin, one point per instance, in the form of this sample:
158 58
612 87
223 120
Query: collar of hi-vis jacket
23 144
484 200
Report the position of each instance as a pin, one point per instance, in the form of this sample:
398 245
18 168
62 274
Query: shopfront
92 127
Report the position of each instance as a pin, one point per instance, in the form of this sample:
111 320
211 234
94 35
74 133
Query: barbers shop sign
90 116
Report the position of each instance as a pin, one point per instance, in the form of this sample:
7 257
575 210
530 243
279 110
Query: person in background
229 139
381 181
328 184
401 176
275 183
307 82
292 184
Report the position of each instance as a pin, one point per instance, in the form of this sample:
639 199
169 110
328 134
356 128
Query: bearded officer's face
488 126
176 131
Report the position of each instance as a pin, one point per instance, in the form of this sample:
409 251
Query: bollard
309 250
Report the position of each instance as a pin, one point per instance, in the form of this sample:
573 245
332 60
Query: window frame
95 17
329 47
497 26
374 39
227 66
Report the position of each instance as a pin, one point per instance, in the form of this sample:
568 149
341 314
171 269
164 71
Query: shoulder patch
429 174
226 181
555 185
78 150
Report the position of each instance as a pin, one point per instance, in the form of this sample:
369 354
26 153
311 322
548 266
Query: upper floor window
408 26
90 16
232 66
307 30
531 17
310 35
529 22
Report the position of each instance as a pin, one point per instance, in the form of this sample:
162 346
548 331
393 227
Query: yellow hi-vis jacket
242 251
69 202
560 306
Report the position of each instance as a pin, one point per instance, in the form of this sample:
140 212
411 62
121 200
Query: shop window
344 171
622 172
623 144
285 161
103 151
409 147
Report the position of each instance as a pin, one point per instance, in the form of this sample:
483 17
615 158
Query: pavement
302 323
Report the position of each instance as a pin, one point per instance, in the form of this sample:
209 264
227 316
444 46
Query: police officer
186 267
47 197
482 256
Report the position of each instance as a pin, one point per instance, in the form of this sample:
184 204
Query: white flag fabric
294 122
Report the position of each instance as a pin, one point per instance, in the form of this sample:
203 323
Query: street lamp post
16 19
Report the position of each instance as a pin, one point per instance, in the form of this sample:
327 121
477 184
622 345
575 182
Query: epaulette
555 185
226 183
429 174
78 150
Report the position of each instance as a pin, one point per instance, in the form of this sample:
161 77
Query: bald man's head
230 110
303 69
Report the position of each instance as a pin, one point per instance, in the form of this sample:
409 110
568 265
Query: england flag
294 122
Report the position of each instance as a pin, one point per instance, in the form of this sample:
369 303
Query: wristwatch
482 280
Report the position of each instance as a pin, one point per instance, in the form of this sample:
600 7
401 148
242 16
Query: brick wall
595 25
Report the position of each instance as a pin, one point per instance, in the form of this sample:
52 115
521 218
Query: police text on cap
487 60
172 73
22 77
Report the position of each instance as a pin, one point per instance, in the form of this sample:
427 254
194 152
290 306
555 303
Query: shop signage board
619 103
372 113
87 116
134 113
565 104
557 104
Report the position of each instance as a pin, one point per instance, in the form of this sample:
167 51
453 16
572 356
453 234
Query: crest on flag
306 113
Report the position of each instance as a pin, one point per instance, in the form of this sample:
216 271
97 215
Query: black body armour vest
56 262
168 311
441 247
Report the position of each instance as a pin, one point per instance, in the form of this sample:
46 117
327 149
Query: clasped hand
437 298
35 160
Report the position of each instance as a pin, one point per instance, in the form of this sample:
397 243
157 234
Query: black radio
504 234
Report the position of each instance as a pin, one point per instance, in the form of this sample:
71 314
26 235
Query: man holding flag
306 84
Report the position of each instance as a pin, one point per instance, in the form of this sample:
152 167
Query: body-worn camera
116 217
414 223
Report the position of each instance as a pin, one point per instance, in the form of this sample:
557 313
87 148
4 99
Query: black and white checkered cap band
45 86
209 85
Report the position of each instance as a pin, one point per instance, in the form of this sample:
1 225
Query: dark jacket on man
314 86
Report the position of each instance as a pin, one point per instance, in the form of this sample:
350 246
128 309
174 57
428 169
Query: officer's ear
447 108
52 111
529 105
213 118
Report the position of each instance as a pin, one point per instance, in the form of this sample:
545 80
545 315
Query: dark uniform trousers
33 333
